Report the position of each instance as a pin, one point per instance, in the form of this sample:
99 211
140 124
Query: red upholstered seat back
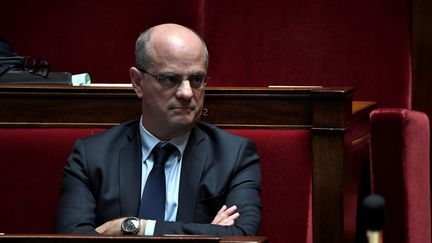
400 172
32 161
31 171
286 166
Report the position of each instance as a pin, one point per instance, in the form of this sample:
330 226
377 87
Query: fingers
226 216
219 216
230 220
110 228
102 229
99 229
231 210
223 208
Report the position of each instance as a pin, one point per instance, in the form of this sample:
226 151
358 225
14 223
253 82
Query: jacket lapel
130 173
193 163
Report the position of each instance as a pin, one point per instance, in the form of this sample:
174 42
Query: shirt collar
148 141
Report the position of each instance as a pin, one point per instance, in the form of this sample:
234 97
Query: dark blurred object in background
5 48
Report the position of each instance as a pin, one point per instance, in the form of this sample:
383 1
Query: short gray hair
142 55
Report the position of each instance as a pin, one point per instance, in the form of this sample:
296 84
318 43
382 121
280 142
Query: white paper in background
81 79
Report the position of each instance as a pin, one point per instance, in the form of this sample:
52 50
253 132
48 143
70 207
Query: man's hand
226 217
113 227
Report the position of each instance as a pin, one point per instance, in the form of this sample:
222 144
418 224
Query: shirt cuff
149 228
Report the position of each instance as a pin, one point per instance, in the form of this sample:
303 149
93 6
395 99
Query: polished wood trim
41 105
31 238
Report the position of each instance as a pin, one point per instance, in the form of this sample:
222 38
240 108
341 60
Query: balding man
165 173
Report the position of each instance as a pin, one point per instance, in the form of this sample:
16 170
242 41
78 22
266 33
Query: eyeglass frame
166 85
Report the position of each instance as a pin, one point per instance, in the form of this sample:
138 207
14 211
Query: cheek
199 98
152 103
157 99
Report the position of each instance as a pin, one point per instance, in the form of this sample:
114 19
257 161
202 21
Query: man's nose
185 90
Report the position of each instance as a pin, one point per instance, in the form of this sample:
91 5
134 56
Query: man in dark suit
212 178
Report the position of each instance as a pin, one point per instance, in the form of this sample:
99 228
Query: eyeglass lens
196 81
36 66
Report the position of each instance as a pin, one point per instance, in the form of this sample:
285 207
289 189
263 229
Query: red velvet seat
286 166
400 172
32 163
31 171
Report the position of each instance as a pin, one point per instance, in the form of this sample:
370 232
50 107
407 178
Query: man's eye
197 79
170 79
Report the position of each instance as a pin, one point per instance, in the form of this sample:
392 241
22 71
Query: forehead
179 50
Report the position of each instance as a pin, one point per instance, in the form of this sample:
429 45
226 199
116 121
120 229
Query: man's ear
135 77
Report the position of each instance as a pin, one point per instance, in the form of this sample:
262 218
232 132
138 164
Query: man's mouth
182 109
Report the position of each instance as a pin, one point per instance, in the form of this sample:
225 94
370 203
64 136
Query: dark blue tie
154 195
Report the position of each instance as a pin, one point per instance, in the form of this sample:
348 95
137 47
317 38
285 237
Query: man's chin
184 123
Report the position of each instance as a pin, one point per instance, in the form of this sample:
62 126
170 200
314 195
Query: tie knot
161 152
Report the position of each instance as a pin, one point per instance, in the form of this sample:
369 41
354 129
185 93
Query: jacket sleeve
243 190
76 208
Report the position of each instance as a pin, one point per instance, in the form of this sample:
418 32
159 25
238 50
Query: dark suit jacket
102 181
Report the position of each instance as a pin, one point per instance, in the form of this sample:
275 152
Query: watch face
130 225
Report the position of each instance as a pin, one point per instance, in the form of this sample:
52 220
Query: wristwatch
130 226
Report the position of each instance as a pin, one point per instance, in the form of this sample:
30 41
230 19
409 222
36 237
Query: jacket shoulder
123 132
218 134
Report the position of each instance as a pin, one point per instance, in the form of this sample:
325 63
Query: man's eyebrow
174 73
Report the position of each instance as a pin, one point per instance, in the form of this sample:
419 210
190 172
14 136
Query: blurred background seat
400 172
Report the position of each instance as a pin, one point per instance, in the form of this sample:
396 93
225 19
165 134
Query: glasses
28 64
172 80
